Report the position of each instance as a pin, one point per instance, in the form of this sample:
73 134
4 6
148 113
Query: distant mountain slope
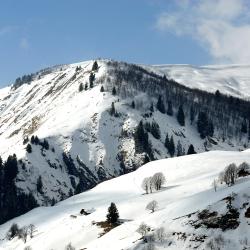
229 79
67 128
188 190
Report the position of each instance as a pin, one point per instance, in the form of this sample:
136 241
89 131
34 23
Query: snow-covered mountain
229 79
80 134
188 209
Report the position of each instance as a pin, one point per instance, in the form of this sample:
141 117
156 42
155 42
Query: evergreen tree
32 139
244 126
1 162
112 110
70 192
78 68
13 231
181 116
155 130
45 144
191 114
142 143
171 148
69 162
202 123
210 128
29 148
24 203
151 107
191 150
102 89
39 185
113 214
15 203
167 142
91 80
170 109
10 168
80 87
179 149
95 66
114 91
79 189
53 202
86 86
249 130
147 127
140 136
36 140
160 105
133 105
205 127
217 94
25 140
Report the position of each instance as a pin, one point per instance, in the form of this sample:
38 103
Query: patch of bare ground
247 213
35 122
106 226
211 219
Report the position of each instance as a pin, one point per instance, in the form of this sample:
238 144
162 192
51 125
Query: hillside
77 138
229 79
188 190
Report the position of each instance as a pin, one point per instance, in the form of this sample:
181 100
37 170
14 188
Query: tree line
13 201
212 113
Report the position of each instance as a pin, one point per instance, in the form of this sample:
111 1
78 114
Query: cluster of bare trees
70 247
154 182
21 233
25 232
150 236
231 173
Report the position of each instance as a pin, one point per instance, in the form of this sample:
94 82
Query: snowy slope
52 108
188 189
80 125
229 79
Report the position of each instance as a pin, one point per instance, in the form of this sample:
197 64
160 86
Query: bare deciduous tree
143 229
151 184
158 180
13 231
23 233
160 234
145 184
27 248
31 230
243 169
69 247
152 206
230 174
221 177
214 184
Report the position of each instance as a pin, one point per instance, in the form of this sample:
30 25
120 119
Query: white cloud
220 26
5 30
24 44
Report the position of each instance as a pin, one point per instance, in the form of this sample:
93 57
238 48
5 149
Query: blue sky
37 34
